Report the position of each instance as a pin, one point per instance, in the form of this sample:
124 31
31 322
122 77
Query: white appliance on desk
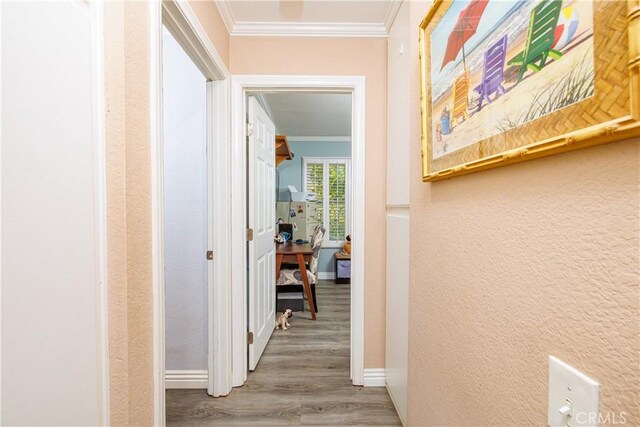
304 215
301 196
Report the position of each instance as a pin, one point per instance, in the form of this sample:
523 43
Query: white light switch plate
573 396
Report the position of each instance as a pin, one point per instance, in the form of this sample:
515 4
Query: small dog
282 319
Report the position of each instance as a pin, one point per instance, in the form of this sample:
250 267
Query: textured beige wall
209 16
513 264
127 70
128 146
344 57
116 230
137 59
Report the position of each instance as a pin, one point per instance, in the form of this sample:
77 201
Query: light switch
573 396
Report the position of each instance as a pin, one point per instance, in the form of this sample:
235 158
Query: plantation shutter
314 180
337 201
329 178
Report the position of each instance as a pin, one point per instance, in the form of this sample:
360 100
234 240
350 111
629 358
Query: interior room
313 182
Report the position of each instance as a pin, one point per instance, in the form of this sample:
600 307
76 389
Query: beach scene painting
498 64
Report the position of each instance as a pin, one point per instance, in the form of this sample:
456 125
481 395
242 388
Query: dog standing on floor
282 319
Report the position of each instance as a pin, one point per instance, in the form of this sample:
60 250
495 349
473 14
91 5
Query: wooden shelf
283 151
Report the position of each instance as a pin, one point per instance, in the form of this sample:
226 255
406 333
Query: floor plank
302 379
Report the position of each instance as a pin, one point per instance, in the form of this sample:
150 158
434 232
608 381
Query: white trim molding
186 379
392 12
319 138
401 415
224 7
374 377
307 29
326 275
182 23
184 26
100 182
398 210
219 198
240 87
157 216
106 348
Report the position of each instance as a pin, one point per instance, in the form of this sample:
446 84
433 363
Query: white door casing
182 23
237 311
54 336
262 220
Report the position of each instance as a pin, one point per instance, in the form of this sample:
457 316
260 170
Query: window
330 179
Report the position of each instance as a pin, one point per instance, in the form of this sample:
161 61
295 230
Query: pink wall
128 142
344 57
513 264
209 16
116 234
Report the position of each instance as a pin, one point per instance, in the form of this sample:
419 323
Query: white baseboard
374 377
326 275
401 414
186 379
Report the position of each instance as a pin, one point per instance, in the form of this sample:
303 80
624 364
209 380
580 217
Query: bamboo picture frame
611 113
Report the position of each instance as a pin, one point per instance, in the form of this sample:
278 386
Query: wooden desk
294 252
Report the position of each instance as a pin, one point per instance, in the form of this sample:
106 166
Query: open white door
53 218
262 220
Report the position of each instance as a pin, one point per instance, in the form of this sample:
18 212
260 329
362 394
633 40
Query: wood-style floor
302 379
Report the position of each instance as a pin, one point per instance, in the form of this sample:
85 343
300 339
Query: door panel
185 208
53 350
262 219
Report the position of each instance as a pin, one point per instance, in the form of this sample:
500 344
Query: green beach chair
540 37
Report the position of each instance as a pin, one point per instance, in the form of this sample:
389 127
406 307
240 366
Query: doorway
179 20
242 86
306 165
185 214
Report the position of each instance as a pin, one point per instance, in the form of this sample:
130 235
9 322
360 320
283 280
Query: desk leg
307 287
279 258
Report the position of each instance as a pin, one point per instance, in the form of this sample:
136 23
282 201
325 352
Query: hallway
302 379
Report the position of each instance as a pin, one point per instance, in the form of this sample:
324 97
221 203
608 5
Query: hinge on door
250 337
249 129
249 234
209 255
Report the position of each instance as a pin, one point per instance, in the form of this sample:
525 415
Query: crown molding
224 7
392 12
318 138
305 29
308 29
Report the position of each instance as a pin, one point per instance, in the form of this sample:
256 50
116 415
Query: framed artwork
503 81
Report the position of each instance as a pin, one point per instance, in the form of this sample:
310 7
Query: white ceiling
308 17
307 116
